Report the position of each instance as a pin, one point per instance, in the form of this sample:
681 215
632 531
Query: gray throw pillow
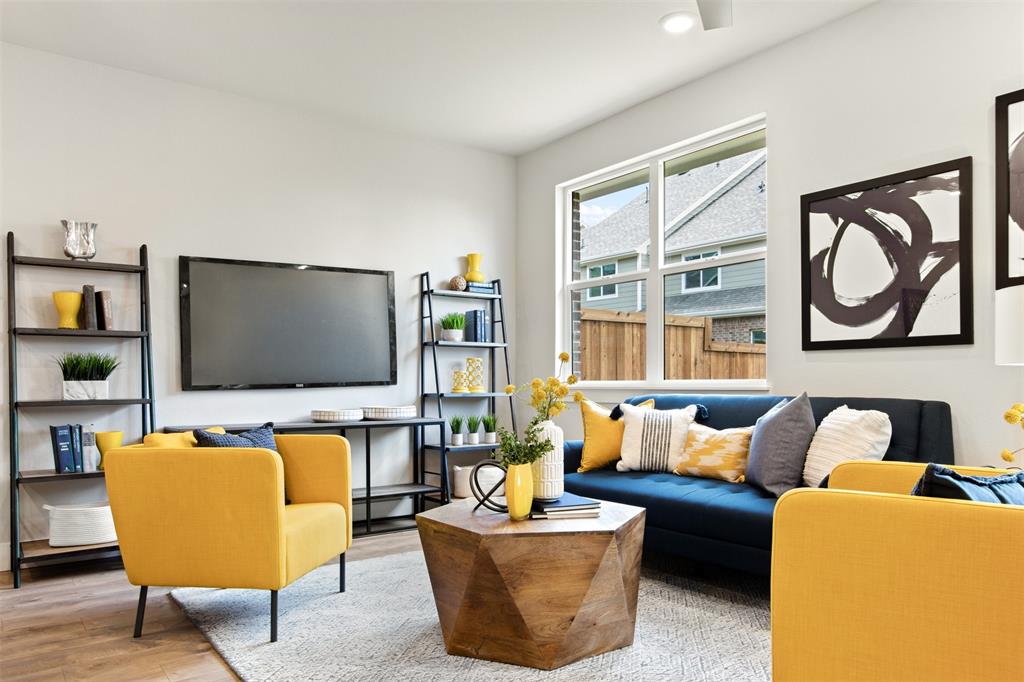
779 445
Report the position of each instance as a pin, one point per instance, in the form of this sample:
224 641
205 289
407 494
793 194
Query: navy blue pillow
261 437
939 481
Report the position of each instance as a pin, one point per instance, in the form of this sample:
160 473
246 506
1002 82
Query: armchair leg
140 614
341 562
273 615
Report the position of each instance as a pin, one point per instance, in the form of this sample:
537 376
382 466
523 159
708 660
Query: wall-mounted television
248 324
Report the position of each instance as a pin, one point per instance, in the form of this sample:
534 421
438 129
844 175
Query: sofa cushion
653 440
731 512
711 453
602 436
779 445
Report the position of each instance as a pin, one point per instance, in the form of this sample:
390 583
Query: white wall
892 87
195 172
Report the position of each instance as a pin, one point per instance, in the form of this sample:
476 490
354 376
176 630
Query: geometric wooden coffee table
535 593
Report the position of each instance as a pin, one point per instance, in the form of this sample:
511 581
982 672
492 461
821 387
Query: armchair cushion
314 533
940 481
262 437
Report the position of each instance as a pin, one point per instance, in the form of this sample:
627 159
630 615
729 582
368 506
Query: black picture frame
184 292
965 335
1002 156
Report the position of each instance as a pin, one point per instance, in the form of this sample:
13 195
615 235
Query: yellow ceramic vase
106 441
519 491
68 303
473 273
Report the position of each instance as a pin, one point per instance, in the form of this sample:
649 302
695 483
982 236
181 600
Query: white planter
473 438
491 437
548 471
85 390
488 477
456 439
80 524
452 334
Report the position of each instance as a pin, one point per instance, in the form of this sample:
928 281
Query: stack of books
480 288
97 311
67 448
568 506
478 326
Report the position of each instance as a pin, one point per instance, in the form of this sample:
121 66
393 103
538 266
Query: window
678 240
607 290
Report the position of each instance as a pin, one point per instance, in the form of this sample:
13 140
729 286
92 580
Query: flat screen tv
246 324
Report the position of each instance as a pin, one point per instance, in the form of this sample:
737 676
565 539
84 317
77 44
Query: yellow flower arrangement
1013 416
548 396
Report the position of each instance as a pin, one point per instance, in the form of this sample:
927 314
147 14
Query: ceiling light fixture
677 22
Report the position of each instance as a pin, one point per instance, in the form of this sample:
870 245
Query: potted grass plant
490 428
455 422
473 425
453 326
85 375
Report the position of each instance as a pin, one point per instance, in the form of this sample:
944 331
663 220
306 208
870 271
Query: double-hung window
663 280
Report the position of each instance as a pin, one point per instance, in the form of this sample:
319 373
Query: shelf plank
49 475
40 549
77 264
399 490
461 396
82 403
463 448
466 344
448 293
90 333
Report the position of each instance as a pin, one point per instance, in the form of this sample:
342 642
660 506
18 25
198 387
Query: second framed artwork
887 262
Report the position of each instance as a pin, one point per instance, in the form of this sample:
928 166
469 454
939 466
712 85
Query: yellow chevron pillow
602 436
710 453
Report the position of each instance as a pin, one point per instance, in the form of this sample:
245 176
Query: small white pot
85 390
456 439
473 438
452 334
491 437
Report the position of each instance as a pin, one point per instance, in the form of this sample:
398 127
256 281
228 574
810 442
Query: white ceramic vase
473 438
491 437
452 334
85 390
456 439
548 471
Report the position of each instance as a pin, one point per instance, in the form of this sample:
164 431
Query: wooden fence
613 346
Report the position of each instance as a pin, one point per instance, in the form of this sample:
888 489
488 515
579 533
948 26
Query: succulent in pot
453 326
85 375
473 424
490 428
455 423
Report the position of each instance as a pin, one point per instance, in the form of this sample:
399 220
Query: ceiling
501 76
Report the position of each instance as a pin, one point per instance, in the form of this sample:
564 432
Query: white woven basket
353 415
80 524
380 412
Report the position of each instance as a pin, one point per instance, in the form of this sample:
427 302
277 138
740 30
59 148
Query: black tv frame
186 327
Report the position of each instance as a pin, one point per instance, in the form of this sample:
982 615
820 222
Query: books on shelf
104 310
568 506
478 326
66 440
479 288
87 313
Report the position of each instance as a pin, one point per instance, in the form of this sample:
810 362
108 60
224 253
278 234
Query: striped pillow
653 440
711 453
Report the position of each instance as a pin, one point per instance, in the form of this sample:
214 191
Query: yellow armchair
216 517
870 583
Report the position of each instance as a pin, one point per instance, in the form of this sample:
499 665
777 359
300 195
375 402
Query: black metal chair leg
273 615
141 612
341 561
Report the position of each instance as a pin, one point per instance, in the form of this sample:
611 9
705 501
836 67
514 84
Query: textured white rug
385 628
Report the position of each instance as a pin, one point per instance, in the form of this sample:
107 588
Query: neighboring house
711 210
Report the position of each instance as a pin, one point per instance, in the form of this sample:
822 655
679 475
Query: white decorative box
380 412
351 415
80 524
85 390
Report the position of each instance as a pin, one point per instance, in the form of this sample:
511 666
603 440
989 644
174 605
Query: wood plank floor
77 625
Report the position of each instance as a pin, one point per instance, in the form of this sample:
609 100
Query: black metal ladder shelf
429 342
38 552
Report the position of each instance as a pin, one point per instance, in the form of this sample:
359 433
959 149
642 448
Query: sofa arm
318 468
872 586
890 477
573 455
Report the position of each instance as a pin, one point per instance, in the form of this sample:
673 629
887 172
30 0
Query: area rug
385 628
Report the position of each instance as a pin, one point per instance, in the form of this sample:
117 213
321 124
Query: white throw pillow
846 434
653 440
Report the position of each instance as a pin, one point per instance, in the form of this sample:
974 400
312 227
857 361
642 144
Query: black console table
418 489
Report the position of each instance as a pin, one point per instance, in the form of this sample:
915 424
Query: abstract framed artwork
887 262
1010 189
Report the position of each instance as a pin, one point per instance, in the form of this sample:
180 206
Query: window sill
616 390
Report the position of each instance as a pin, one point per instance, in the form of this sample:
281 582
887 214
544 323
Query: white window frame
702 256
654 275
602 296
759 329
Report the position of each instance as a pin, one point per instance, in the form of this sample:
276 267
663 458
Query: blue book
469 333
567 502
486 324
63 456
76 446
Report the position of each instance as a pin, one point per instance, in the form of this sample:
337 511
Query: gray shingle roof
739 179
716 302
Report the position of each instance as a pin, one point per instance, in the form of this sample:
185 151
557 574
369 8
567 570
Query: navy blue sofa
730 524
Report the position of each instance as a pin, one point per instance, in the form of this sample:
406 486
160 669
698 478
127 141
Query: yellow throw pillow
602 436
710 453
185 439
